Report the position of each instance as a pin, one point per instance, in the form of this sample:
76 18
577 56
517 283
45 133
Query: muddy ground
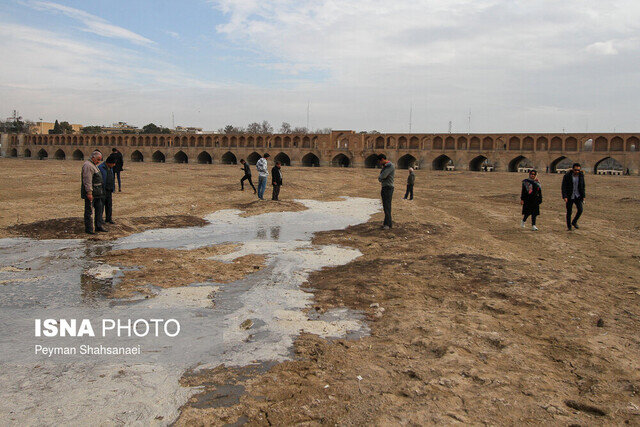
473 319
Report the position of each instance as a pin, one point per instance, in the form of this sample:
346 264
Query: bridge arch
204 158
519 162
371 161
617 144
137 157
78 155
441 162
14 152
477 163
42 154
379 142
59 155
462 143
253 158
341 161
310 159
527 144
608 163
402 142
632 144
283 159
181 157
487 143
27 152
407 161
600 144
571 144
437 143
414 143
514 143
542 144
158 157
449 143
561 162
229 158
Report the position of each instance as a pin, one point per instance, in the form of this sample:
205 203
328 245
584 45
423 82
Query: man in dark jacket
119 164
92 191
247 176
411 179
386 179
108 178
276 180
573 193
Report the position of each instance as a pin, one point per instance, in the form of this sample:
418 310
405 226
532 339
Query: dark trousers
108 206
387 194
570 203
248 178
276 192
533 218
409 192
98 206
117 174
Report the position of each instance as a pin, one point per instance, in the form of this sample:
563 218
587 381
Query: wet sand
472 318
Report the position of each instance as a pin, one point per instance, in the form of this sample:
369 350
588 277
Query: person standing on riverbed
109 184
573 193
386 178
92 191
247 176
263 173
119 167
276 180
411 179
530 199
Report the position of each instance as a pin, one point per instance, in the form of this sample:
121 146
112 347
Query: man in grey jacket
92 191
386 177
263 173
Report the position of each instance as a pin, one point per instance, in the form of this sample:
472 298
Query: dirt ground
473 319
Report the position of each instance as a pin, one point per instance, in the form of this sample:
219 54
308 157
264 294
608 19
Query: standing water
59 279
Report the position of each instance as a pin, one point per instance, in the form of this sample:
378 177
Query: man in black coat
109 183
119 167
247 176
276 180
573 193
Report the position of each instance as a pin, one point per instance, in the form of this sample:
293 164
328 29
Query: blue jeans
262 185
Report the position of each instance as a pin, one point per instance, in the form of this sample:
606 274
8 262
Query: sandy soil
171 268
473 319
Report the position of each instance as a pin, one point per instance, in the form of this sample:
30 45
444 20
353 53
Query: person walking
119 164
108 180
263 173
411 179
573 193
386 178
276 180
530 199
247 176
92 191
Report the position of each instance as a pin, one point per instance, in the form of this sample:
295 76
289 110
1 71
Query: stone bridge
475 152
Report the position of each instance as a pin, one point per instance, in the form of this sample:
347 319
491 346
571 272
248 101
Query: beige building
43 128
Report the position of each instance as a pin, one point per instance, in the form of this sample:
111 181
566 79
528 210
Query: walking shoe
110 222
534 228
522 224
575 225
102 230
385 227
89 232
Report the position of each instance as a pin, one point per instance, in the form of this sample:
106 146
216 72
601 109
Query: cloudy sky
517 65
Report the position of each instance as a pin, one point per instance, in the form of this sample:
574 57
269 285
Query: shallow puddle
60 280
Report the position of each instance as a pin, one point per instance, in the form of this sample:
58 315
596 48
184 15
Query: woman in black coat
530 199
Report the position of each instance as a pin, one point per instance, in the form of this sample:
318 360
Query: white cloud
93 24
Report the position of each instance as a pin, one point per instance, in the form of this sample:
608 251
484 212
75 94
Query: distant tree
285 128
152 128
323 131
266 127
65 127
254 127
91 129
56 129
300 129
